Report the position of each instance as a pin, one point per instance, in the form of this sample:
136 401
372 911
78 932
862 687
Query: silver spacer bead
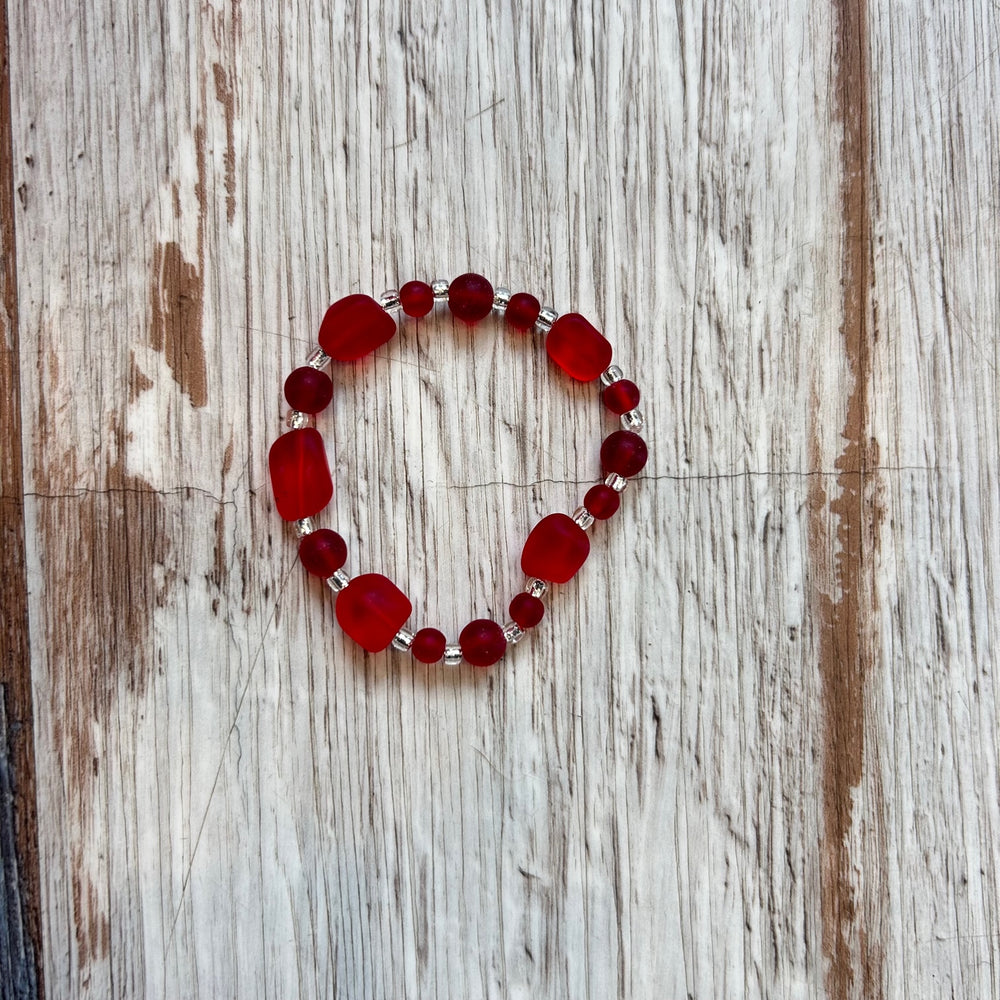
296 420
389 300
440 288
611 375
616 482
583 517
402 640
536 587
633 420
318 359
501 296
513 633
338 581
546 317
452 654
304 527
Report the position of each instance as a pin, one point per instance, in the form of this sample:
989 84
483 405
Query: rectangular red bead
300 474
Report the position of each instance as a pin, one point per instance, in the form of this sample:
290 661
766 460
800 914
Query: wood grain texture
752 750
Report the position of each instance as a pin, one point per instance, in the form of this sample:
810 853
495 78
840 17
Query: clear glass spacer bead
338 581
296 420
501 297
611 375
304 527
452 654
389 300
402 640
536 587
546 317
318 359
513 633
440 289
616 482
633 420
583 517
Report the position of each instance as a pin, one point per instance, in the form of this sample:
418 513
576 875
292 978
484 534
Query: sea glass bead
300 474
623 452
522 311
416 298
355 326
323 552
428 645
578 347
555 549
371 609
526 610
482 642
470 297
602 501
308 390
621 396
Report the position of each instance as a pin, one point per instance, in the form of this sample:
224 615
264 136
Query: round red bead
522 311
578 347
371 609
417 299
470 297
526 610
556 548
621 396
624 453
482 642
308 390
602 501
300 474
323 552
428 645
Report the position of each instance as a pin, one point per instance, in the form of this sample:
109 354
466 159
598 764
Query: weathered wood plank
752 749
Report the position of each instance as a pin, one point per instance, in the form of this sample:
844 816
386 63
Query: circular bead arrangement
370 608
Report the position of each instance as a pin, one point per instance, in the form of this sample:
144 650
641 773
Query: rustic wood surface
752 750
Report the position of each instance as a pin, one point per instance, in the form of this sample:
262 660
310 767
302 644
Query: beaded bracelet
370 608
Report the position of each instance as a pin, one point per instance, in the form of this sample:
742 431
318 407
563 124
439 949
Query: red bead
417 299
355 326
482 642
308 390
300 475
522 311
602 501
428 645
621 396
470 297
556 548
623 452
323 552
578 347
371 609
526 610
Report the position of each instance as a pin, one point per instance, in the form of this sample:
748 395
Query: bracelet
370 608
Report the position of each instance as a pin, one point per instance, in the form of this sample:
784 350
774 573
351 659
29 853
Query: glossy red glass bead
417 299
371 609
355 326
428 645
526 610
300 474
522 311
470 297
482 642
623 452
556 548
308 390
322 552
578 347
602 501
621 396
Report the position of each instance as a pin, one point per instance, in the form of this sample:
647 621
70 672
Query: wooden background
752 751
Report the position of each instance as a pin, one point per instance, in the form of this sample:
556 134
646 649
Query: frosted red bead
526 610
556 548
578 347
470 297
322 552
482 642
416 298
308 390
371 609
621 396
623 452
300 474
428 645
602 501
355 326
522 311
